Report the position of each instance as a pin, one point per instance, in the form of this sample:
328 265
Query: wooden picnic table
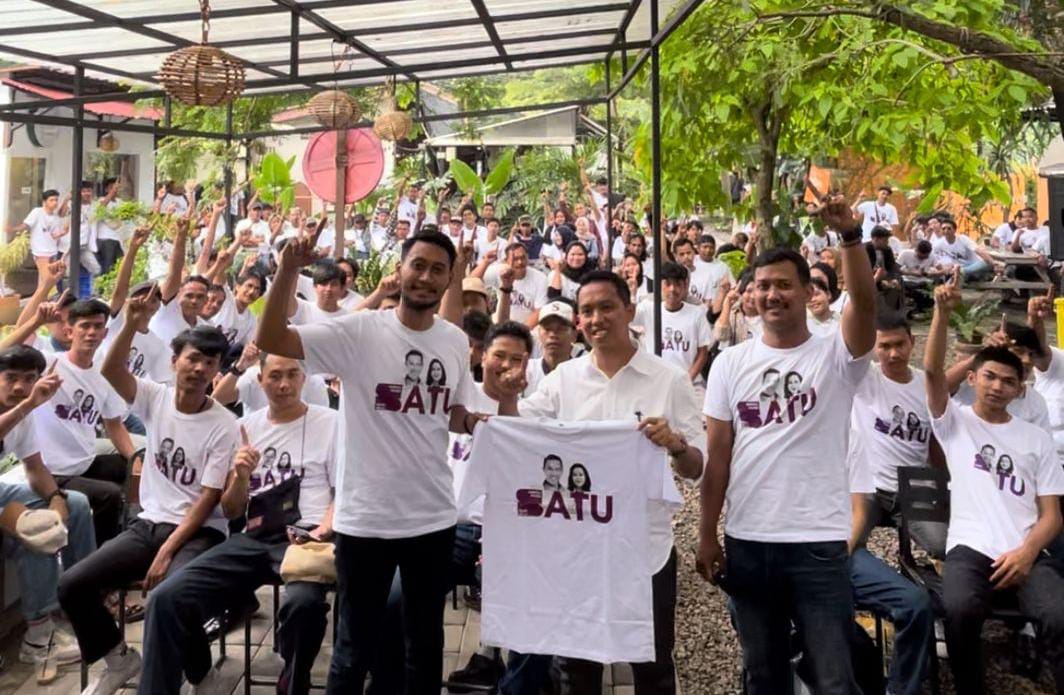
1016 260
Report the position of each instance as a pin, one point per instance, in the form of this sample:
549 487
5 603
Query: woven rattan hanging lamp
392 124
202 75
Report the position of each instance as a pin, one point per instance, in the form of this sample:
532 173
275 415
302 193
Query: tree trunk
768 123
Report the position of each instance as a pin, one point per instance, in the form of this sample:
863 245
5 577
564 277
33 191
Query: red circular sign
365 164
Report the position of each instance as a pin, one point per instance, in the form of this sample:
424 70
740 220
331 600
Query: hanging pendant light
392 124
202 75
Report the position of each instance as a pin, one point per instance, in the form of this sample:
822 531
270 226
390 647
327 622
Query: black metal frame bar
77 152
493 34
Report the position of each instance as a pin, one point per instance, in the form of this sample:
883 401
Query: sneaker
480 674
114 677
60 648
212 684
472 598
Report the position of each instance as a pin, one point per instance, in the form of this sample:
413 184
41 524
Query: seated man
329 282
287 439
953 250
66 426
191 442
22 389
242 382
919 273
1004 483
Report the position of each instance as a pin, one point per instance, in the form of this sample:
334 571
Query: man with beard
395 504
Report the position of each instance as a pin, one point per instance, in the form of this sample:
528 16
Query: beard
418 305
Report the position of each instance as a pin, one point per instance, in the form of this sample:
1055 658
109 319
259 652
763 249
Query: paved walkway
461 638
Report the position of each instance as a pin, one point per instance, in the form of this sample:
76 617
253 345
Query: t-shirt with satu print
397 387
789 411
186 452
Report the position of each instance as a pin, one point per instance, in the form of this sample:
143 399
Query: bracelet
506 290
850 244
235 370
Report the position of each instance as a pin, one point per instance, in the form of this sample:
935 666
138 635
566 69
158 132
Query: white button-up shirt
645 387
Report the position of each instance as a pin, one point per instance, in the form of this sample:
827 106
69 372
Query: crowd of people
175 440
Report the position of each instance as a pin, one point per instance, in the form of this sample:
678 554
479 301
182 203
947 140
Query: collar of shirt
640 363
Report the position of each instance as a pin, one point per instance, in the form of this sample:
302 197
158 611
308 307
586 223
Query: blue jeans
975 269
773 584
38 574
884 592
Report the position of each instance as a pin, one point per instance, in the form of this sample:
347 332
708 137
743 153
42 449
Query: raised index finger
244 436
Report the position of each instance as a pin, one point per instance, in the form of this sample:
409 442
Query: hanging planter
202 75
392 124
334 109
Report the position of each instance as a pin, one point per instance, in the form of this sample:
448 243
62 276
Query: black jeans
107 254
121 561
774 584
656 677
365 568
967 595
102 483
174 638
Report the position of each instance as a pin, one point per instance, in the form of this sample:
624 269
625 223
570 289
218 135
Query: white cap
559 309
41 530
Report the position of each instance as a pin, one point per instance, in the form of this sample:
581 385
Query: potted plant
12 255
966 320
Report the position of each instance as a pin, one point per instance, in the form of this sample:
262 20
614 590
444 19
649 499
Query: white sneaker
114 677
61 648
212 684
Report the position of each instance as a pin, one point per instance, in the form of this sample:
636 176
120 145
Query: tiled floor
461 638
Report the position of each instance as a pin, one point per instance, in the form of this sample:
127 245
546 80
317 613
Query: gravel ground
708 656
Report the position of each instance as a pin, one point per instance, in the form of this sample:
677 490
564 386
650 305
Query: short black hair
697 224
674 271
1001 355
197 278
51 192
430 237
682 241
208 340
609 277
350 263
886 188
252 275
22 358
489 220
512 329
327 271
87 308
950 221
513 246
108 181
820 285
882 231
923 246
468 206
832 276
476 325
1024 336
893 321
782 254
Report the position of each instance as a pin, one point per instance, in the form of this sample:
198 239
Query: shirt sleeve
852 368
1050 479
144 402
328 345
32 218
330 453
718 401
543 402
22 441
113 405
244 383
220 452
942 427
704 332
684 414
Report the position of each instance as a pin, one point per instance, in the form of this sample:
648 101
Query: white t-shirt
567 572
407 210
21 440
41 227
185 454
149 357
997 472
826 327
252 397
1033 239
1003 235
393 479
66 424
238 327
104 230
683 332
308 312
960 252
876 215
458 450
169 321
1050 385
529 294
706 279
305 447
1029 406
179 203
788 409
350 301
889 427
817 243
908 260
647 386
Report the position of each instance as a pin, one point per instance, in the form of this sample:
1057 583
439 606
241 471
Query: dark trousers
774 584
121 561
108 251
526 673
365 569
174 639
102 484
968 594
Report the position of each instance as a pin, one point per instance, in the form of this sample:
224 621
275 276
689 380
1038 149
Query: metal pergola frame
507 58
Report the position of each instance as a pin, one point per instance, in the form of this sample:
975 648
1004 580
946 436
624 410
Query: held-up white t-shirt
567 568
1050 385
458 450
149 356
169 322
788 409
66 424
238 327
41 227
253 398
186 453
529 293
305 448
397 388
997 472
889 427
683 332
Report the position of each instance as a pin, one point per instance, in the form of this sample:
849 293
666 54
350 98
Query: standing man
395 503
557 334
685 332
708 276
108 237
617 381
877 213
781 463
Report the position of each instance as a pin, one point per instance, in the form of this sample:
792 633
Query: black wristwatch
506 290
58 492
235 370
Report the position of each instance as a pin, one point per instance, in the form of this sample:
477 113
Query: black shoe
480 675
1025 661
472 598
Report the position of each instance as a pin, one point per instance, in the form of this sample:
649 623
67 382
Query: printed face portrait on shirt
986 456
437 376
770 383
579 480
1005 465
552 473
414 362
792 384
898 413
